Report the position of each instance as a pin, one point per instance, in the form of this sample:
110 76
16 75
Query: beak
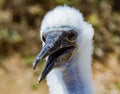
55 41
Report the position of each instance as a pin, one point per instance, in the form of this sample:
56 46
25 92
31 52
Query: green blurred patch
68 2
34 86
39 68
36 73
118 85
94 19
11 36
29 60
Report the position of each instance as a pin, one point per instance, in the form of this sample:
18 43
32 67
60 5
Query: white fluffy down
67 16
62 15
54 79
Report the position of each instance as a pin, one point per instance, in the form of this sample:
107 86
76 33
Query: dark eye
72 35
43 38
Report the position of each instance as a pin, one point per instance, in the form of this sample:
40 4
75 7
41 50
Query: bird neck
75 78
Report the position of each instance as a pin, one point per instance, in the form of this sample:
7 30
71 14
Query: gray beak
54 47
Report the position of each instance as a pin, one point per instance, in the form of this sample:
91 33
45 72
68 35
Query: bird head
63 33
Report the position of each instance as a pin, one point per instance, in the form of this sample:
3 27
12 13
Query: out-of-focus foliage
20 21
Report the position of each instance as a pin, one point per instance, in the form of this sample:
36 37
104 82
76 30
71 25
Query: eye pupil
71 35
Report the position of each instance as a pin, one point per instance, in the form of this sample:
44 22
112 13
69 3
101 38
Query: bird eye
43 38
72 35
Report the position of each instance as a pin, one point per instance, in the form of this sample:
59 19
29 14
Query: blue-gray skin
59 46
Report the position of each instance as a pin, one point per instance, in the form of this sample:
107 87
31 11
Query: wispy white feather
69 16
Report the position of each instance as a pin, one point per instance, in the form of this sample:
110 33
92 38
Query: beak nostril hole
43 38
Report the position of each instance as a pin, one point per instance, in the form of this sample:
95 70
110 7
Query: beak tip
34 65
38 82
40 78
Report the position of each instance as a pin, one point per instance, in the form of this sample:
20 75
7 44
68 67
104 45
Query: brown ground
17 78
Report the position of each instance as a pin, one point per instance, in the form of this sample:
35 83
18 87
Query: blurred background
20 43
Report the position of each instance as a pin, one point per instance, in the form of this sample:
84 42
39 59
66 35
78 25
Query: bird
67 47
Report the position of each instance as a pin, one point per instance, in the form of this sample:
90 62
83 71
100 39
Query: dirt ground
17 78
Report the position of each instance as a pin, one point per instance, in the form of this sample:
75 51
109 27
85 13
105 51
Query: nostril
43 38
